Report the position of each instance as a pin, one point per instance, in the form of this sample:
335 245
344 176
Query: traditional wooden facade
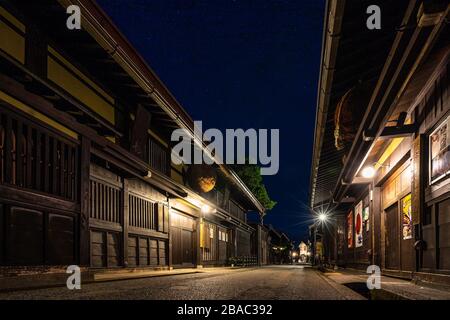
85 170
270 245
386 191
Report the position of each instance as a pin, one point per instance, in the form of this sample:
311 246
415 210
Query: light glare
368 172
206 208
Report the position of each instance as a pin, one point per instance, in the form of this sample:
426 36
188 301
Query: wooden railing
236 211
217 197
158 156
34 158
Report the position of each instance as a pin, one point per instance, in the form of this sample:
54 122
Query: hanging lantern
202 177
349 113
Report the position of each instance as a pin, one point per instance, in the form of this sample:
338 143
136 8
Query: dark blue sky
240 64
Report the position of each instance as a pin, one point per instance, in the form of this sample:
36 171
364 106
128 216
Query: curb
348 293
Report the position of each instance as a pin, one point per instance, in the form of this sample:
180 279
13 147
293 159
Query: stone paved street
273 282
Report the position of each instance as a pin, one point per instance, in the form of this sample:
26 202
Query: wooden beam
84 237
391 132
124 212
397 132
139 133
75 112
4 80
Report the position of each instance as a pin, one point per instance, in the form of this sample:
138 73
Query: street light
368 172
322 217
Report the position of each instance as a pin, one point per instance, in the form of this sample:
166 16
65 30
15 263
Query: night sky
240 64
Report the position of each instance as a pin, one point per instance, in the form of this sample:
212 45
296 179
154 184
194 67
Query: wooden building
380 160
85 166
261 243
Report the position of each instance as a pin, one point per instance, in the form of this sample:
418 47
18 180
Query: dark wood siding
36 236
105 249
443 224
435 224
243 243
105 201
142 212
210 241
60 242
145 251
38 182
98 249
148 218
237 211
25 236
392 237
158 156
106 189
114 246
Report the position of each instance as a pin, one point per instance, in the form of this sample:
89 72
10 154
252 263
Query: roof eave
330 41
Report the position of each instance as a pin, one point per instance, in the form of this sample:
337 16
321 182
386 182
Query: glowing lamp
368 172
206 208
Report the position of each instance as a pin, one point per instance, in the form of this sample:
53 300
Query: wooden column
169 241
234 251
258 245
124 214
335 242
198 260
376 227
84 238
418 152
139 132
8 151
36 52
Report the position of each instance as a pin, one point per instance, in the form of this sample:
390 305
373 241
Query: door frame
396 219
194 237
397 202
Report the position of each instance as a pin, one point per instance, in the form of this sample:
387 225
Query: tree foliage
251 176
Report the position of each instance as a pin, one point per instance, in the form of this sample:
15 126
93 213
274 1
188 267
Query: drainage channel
375 294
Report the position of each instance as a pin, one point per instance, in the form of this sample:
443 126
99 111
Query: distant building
304 252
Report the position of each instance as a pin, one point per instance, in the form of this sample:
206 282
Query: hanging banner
358 225
350 229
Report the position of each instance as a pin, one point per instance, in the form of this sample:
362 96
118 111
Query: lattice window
105 201
35 158
141 213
